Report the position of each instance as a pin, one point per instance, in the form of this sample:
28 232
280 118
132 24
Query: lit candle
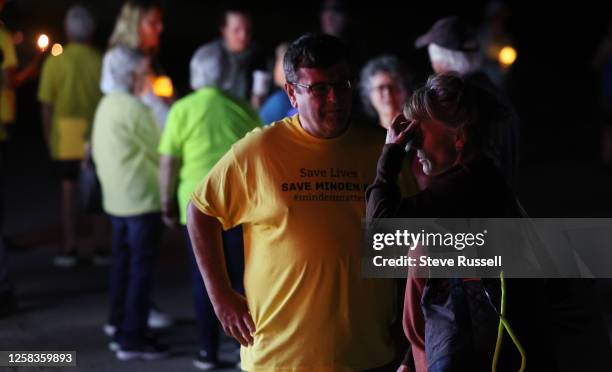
162 87
507 56
56 49
43 42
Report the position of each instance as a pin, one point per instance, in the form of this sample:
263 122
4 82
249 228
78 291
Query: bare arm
168 176
14 78
46 112
230 307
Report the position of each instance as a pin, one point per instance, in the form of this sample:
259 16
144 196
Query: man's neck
323 133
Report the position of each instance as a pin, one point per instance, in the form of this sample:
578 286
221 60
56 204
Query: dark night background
552 83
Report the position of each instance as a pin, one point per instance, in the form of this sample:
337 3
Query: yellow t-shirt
7 96
301 200
71 83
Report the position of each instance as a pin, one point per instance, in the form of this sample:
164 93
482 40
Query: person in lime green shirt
69 93
201 127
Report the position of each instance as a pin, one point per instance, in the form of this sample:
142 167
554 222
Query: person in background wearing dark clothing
247 77
602 63
277 106
442 121
453 46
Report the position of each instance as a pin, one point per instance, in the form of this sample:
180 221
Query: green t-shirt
200 129
124 144
71 83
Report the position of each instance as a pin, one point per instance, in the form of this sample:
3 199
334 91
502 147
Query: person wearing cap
124 145
69 93
452 45
297 187
201 128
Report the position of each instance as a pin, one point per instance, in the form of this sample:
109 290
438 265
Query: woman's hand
400 131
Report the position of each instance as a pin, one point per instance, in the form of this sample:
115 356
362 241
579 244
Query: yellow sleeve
46 87
224 193
8 49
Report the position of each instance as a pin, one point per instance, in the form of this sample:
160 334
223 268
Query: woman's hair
126 29
450 100
388 64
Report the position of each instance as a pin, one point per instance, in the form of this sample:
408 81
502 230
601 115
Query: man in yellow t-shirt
69 93
297 187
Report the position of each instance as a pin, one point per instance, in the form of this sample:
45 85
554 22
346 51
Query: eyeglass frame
329 86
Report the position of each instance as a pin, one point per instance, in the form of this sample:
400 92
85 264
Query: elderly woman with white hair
124 140
69 94
200 129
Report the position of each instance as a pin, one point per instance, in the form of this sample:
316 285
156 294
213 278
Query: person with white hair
200 129
69 93
453 46
124 144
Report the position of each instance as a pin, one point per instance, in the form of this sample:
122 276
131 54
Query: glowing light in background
56 49
162 87
43 42
507 56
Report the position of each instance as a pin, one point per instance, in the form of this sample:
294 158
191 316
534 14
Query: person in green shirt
69 93
201 127
124 141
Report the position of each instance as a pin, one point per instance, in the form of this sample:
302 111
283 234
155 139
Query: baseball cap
450 33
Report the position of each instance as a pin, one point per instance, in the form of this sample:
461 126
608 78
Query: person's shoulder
262 139
89 51
188 101
124 104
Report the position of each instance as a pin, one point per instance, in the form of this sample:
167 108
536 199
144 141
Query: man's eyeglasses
323 89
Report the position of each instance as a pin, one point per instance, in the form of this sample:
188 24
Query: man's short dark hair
313 51
235 7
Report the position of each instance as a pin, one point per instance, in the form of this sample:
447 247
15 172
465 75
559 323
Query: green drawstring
503 323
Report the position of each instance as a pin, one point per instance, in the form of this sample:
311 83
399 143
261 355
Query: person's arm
14 78
230 307
46 115
168 175
383 196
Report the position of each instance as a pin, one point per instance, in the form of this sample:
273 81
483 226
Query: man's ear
290 89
